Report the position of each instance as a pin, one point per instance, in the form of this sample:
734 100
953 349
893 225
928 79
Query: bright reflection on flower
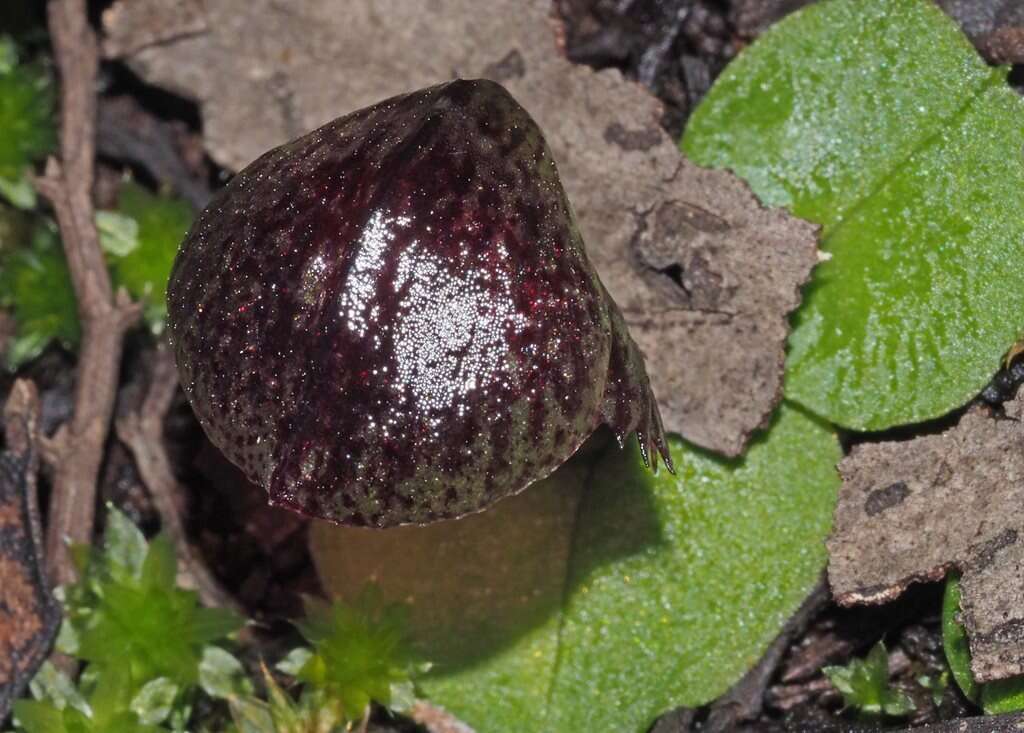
452 332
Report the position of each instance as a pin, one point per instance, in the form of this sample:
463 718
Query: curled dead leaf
29 615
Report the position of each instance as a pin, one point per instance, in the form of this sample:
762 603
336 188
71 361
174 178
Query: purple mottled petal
393 320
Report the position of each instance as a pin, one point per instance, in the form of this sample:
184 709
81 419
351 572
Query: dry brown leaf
909 511
29 616
704 275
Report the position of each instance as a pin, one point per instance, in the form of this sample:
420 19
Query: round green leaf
221 675
880 122
605 595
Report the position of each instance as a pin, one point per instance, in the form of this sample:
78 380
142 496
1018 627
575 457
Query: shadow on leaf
476 585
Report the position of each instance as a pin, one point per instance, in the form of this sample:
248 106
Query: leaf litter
996 27
198 29
910 511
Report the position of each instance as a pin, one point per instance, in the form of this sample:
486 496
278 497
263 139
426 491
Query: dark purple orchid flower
392 319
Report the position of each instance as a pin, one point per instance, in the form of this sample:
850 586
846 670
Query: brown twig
1009 723
785 698
7 331
364 722
675 721
142 431
77 449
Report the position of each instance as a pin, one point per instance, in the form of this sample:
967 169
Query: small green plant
27 130
311 713
102 703
139 238
127 611
936 685
147 644
143 266
150 649
35 287
358 653
864 684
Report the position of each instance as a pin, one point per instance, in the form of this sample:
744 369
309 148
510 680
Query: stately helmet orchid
393 320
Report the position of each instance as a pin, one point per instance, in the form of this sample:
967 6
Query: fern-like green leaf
27 130
35 287
360 651
144 268
127 612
